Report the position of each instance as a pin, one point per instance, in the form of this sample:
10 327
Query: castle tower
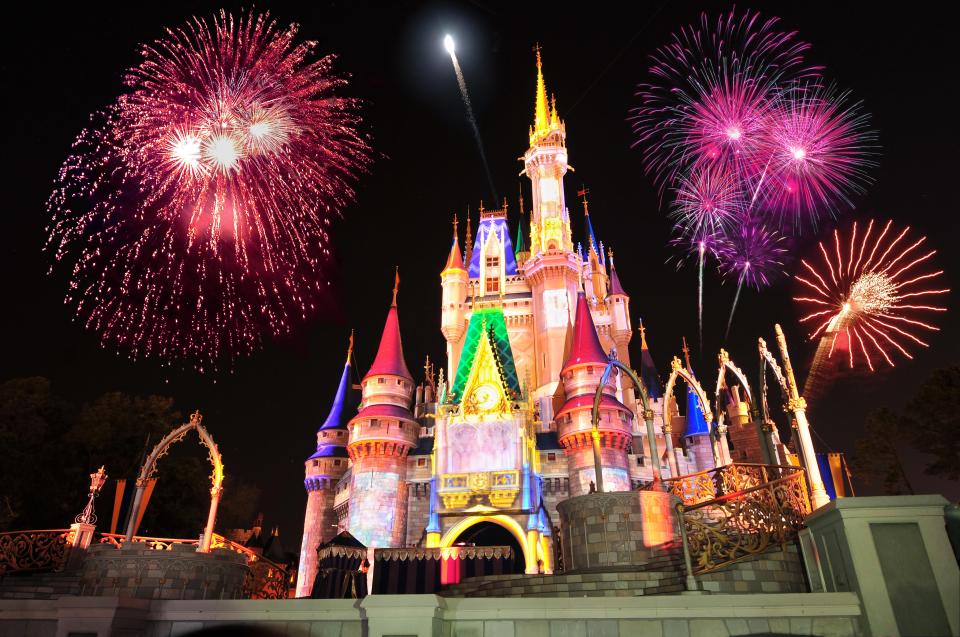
553 268
323 470
581 374
621 328
453 320
696 436
381 435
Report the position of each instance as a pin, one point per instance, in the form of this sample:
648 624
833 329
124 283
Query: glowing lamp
448 43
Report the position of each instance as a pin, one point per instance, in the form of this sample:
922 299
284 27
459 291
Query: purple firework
707 203
753 253
714 85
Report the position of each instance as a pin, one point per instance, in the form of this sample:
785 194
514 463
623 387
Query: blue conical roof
696 423
337 419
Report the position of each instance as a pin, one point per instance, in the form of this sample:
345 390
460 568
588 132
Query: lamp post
81 531
97 480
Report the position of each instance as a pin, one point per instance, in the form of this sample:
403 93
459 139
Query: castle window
380 381
399 382
401 425
493 262
589 370
551 457
374 423
316 463
336 463
421 462
493 285
639 461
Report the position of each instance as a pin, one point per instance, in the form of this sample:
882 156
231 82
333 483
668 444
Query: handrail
33 550
747 522
713 483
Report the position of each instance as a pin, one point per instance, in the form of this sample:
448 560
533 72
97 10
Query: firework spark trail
461 82
194 211
863 306
703 250
755 253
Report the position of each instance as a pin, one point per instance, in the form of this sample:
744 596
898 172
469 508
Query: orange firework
871 296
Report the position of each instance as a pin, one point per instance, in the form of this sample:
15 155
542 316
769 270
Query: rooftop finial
643 336
396 286
686 353
520 191
582 193
350 347
541 115
455 222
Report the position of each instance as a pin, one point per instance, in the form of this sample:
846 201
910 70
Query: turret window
493 285
493 262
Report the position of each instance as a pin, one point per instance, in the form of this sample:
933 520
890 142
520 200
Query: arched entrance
490 534
528 547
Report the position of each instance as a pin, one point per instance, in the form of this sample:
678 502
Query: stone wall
822 614
177 573
418 511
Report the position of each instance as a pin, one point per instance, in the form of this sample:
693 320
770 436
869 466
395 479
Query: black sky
61 64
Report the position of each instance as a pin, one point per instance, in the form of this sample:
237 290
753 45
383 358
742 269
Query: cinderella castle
504 432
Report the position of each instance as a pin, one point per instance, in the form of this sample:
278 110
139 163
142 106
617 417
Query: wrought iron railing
43 550
746 522
721 481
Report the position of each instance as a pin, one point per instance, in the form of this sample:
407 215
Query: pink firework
870 293
715 84
818 147
195 211
707 203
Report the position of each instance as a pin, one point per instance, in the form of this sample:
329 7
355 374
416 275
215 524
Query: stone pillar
81 535
893 551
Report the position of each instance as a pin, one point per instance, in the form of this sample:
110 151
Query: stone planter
618 529
176 573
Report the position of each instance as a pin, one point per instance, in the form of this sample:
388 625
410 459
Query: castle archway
528 550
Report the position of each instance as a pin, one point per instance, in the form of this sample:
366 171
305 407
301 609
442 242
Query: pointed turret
586 346
455 259
323 471
546 121
389 358
696 422
332 434
615 287
648 370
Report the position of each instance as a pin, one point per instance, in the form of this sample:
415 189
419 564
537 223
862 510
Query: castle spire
455 259
615 287
586 347
648 370
389 358
541 115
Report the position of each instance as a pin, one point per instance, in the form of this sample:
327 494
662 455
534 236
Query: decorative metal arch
149 468
766 358
647 417
677 369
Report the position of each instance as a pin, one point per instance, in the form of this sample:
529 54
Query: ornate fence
22 551
745 521
721 481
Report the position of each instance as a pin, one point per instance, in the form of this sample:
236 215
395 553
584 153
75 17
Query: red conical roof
455 260
389 358
586 346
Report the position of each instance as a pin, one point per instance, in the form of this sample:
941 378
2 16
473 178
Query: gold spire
541 115
686 353
350 347
468 244
643 336
396 286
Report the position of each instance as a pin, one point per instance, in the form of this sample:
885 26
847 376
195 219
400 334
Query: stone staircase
43 585
776 571
661 575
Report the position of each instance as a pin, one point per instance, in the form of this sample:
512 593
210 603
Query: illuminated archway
726 365
677 369
149 468
647 417
529 550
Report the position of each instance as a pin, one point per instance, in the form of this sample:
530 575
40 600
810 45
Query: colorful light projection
372 511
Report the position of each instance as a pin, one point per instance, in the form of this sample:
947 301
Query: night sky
60 65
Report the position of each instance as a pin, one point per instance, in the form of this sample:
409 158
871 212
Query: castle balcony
575 426
382 429
584 378
386 389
